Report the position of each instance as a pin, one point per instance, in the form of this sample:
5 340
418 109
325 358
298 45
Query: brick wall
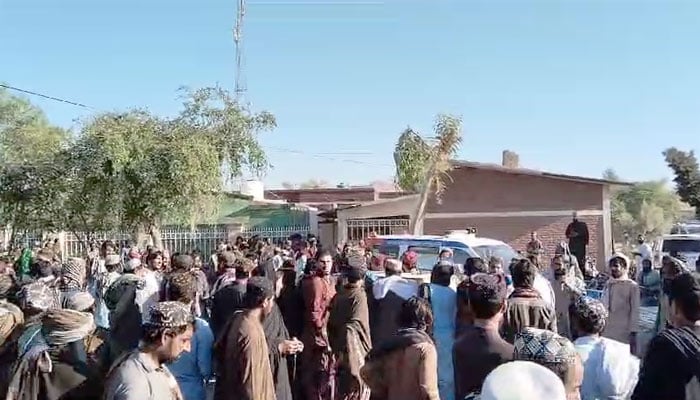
516 231
483 190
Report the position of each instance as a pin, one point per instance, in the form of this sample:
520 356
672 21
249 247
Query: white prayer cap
522 380
132 264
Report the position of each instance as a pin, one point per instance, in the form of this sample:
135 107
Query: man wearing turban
56 369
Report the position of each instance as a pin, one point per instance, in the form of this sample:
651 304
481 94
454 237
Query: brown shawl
244 370
349 336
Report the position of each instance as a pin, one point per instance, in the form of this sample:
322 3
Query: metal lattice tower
240 88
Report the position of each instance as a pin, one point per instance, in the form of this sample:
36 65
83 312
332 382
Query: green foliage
142 170
411 157
130 170
233 130
31 168
25 134
610 175
685 167
448 130
648 208
425 168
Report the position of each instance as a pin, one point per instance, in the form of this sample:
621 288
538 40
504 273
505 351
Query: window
460 256
427 256
502 251
681 246
389 250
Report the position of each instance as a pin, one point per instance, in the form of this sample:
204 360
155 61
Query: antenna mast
240 88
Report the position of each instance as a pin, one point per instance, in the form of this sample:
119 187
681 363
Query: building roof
257 215
532 172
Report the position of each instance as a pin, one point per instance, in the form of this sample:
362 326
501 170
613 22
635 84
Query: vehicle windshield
427 256
502 251
681 246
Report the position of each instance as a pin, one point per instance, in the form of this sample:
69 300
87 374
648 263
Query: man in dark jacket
577 233
671 367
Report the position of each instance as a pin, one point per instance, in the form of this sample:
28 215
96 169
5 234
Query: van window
460 256
389 250
427 256
681 246
502 251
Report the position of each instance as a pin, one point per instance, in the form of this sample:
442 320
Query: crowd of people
292 321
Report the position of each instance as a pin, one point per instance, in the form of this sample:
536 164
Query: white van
462 243
687 245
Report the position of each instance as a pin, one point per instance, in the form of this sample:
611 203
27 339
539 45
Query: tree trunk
419 215
13 239
141 236
154 231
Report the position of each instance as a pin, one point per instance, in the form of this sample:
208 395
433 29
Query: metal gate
359 229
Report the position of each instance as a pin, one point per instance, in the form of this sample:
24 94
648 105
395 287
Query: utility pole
240 88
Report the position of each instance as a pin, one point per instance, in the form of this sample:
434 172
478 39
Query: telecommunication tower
240 88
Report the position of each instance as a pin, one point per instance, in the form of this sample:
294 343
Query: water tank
254 188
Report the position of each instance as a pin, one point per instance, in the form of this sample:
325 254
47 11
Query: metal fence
203 238
361 228
73 247
28 239
175 239
276 233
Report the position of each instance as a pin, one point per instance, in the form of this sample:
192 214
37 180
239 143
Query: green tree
611 175
649 208
139 171
439 155
31 168
687 179
25 133
411 157
213 114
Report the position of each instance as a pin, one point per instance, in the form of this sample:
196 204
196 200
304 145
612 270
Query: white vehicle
687 246
686 228
464 244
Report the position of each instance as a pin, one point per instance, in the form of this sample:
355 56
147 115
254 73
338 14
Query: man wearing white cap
525 381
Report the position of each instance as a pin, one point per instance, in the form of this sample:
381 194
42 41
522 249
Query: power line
326 156
45 96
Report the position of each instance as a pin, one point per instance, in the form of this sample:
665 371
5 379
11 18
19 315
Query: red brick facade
507 204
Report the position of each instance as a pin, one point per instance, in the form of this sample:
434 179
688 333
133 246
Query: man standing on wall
577 233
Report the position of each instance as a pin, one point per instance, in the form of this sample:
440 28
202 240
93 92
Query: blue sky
572 86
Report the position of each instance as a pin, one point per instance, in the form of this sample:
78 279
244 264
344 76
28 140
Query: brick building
508 203
505 202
